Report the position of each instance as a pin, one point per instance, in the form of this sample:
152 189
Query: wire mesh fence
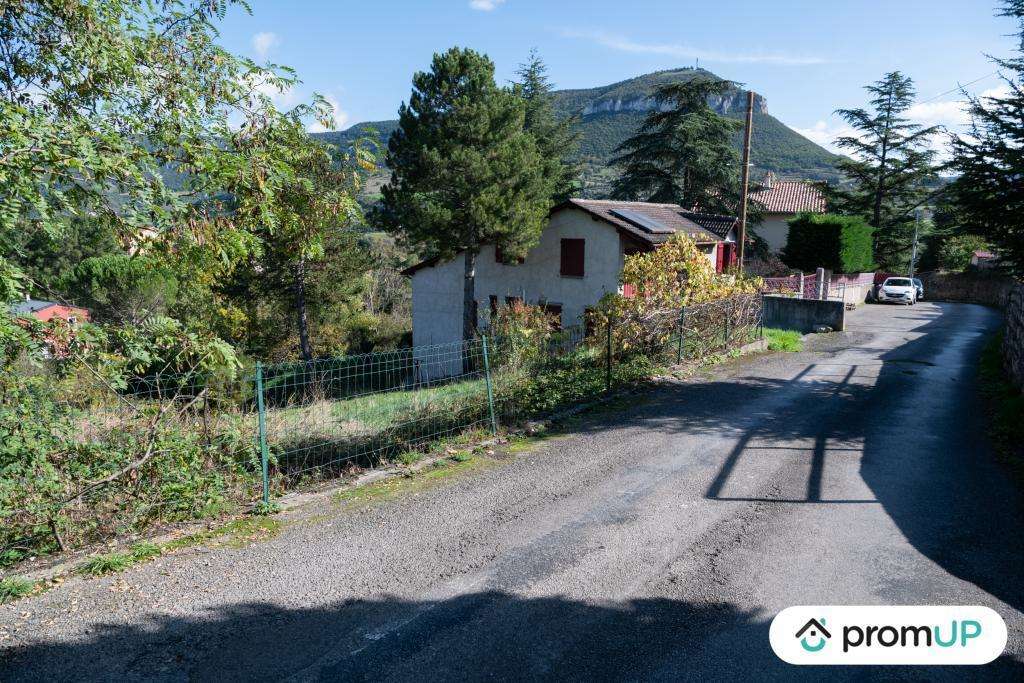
321 419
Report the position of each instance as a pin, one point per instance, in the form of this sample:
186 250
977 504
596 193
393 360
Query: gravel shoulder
654 541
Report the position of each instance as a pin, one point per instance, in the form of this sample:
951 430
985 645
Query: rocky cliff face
723 104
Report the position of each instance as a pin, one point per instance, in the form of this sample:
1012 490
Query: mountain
609 114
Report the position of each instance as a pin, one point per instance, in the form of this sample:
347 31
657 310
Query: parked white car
900 290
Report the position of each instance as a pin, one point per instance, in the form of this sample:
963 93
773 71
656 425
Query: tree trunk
876 213
300 310
468 295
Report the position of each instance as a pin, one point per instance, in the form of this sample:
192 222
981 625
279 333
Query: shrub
784 340
674 275
842 244
956 252
14 587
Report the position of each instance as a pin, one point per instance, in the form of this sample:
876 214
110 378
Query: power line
958 88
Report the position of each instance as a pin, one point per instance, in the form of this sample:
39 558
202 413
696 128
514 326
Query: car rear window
898 282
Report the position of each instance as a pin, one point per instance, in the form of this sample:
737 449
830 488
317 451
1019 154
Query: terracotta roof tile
789 196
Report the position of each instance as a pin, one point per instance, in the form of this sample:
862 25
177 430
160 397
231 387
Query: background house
782 200
578 260
48 310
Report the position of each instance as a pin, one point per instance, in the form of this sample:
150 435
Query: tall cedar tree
683 152
890 166
555 136
989 192
465 172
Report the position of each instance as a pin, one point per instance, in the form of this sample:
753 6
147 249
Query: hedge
842 244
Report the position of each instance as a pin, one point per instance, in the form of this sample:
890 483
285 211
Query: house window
572 257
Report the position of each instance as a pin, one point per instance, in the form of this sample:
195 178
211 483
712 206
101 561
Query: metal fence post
262 421
728 323
608 359
682 334
490 391
760 319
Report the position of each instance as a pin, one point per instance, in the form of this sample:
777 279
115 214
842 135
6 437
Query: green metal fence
322 419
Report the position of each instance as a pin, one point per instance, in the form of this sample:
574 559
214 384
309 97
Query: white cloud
940 113
679 51
263 42
485 5
339 117
953 115
283 98
825 133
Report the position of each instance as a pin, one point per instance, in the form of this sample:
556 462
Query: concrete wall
803 315
1013 339
988 289
774 230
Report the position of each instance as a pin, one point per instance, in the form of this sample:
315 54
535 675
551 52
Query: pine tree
890 167
556 138
683 152
465 173
989 191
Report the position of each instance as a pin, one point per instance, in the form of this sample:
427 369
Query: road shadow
487 635
484 635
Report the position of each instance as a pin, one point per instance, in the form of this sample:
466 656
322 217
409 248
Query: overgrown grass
373 412
15 587
1005 406
98 565
790 341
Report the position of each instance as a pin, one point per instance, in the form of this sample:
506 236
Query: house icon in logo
814 629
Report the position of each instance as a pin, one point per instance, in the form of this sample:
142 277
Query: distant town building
983 259
48 310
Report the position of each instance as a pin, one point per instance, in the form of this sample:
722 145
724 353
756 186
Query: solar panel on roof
643 222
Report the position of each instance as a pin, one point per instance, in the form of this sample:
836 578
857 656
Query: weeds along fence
322 419
87 458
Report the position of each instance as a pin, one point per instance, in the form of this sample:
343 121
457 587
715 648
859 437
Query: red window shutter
572 258
719 257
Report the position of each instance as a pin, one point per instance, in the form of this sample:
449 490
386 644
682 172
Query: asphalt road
656 542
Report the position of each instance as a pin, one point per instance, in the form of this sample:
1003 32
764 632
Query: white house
782 200
578 259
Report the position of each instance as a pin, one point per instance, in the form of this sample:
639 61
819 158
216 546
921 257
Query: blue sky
807 58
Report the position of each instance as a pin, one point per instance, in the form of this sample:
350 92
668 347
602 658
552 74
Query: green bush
14 587
956 252
842 244
784 340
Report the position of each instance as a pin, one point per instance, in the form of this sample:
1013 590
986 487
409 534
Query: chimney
769 180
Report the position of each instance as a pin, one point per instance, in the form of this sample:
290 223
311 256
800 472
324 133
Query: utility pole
917 231
741 236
